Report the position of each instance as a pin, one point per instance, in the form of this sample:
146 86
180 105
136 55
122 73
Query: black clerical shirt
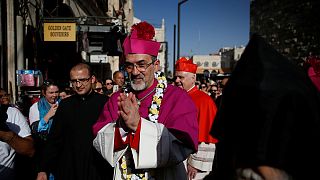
69 152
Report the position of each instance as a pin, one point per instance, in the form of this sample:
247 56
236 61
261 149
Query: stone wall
291 26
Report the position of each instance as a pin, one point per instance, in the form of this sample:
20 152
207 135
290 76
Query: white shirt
34 113
18 124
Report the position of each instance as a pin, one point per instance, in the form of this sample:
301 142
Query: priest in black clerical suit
69 153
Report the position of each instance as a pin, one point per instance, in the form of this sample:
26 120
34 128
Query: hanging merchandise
29 78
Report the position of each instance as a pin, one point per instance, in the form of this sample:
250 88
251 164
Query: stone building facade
23 46
218 63
291 26
229 58
210 63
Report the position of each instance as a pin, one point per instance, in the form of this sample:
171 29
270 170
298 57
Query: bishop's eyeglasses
142 67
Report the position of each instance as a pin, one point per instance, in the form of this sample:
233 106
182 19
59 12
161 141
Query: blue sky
205 25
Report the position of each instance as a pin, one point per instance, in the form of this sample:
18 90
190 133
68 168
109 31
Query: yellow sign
59 31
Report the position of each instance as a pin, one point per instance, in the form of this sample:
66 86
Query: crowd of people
257 124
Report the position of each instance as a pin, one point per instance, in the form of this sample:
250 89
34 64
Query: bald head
81 66
185 80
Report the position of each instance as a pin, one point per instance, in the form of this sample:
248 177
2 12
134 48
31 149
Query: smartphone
115 88
126 88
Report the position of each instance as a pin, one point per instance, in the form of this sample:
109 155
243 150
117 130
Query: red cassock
207 111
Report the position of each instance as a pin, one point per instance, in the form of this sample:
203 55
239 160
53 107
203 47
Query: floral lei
153 116
157 97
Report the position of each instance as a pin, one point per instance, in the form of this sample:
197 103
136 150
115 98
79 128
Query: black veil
269 115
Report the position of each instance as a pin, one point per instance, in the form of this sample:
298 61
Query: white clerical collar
191 88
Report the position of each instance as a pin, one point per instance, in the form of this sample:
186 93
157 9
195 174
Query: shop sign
59 31
99 58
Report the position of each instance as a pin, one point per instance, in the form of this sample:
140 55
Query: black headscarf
269 115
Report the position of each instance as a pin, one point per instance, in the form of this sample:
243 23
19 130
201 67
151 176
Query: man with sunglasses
69 153
150 128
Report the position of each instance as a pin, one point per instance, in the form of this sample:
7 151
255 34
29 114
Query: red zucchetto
183 64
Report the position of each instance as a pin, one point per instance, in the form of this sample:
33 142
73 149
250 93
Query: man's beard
139 87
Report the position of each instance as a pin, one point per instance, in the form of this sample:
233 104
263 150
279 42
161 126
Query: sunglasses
98 89
108 83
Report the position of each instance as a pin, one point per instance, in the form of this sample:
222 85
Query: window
214 64
206 64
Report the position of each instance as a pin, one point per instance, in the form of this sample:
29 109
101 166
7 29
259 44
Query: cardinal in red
199 164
